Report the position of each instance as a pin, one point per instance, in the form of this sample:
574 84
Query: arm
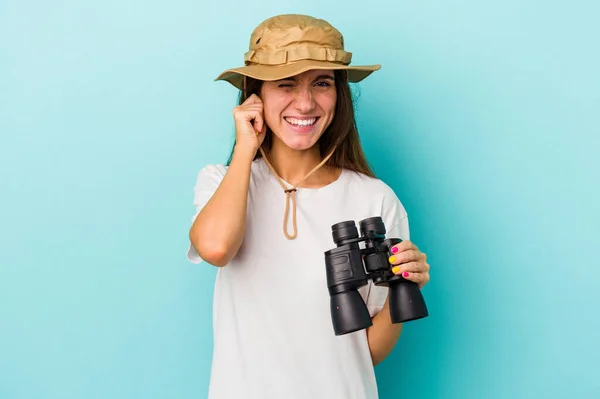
382 335
412 264
218 231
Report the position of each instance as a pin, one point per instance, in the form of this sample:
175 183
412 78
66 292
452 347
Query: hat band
284 56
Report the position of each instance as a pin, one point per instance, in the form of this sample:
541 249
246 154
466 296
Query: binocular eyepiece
346 273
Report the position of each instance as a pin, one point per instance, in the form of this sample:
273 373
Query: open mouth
301 123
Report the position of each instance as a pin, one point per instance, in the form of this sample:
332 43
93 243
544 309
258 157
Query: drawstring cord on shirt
290 193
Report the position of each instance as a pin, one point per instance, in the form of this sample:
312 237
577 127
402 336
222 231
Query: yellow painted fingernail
396 269
392 259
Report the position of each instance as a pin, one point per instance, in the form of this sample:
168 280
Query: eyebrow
293 78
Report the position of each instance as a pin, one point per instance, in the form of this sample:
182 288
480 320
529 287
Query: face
300 108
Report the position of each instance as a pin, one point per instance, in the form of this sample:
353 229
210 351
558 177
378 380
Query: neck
293 165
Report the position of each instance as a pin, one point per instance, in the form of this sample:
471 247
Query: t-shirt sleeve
396 224
207 182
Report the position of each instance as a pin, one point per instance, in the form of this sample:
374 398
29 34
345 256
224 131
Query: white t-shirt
273 334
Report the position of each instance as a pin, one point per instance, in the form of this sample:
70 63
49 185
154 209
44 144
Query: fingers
416 263
411 267
403 246
258 124
255 103
413 271
414 267
248 112
420 278
249 116
253 99
410 263
255 107
407 256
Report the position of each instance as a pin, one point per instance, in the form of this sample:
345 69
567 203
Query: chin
299 143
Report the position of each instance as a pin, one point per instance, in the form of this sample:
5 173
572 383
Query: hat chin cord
290 193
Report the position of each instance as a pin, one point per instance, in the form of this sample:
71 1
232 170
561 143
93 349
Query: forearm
219 228
382 335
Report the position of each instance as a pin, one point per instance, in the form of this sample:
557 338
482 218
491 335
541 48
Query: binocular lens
374 224
344 231
406 302
349 313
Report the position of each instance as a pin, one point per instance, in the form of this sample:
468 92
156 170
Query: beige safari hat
290 44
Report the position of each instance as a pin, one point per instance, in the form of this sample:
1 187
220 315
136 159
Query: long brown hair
349 153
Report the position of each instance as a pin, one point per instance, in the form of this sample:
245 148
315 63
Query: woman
273 335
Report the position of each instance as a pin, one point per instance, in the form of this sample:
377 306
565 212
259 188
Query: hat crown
290 29
293 37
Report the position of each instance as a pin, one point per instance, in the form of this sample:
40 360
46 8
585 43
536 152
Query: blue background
484 119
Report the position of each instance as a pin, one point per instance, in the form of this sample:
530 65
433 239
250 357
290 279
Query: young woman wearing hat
297 158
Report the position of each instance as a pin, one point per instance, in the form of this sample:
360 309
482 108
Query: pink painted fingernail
405 274
394 250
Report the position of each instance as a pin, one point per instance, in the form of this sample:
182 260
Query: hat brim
270 72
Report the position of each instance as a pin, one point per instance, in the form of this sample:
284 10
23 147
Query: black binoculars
346 273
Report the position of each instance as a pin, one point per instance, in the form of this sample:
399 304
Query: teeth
301 122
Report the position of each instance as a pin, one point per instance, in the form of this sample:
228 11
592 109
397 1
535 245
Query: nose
304 99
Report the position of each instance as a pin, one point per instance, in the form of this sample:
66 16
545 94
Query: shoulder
210 175
217 171
213 170
373 188
370 185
